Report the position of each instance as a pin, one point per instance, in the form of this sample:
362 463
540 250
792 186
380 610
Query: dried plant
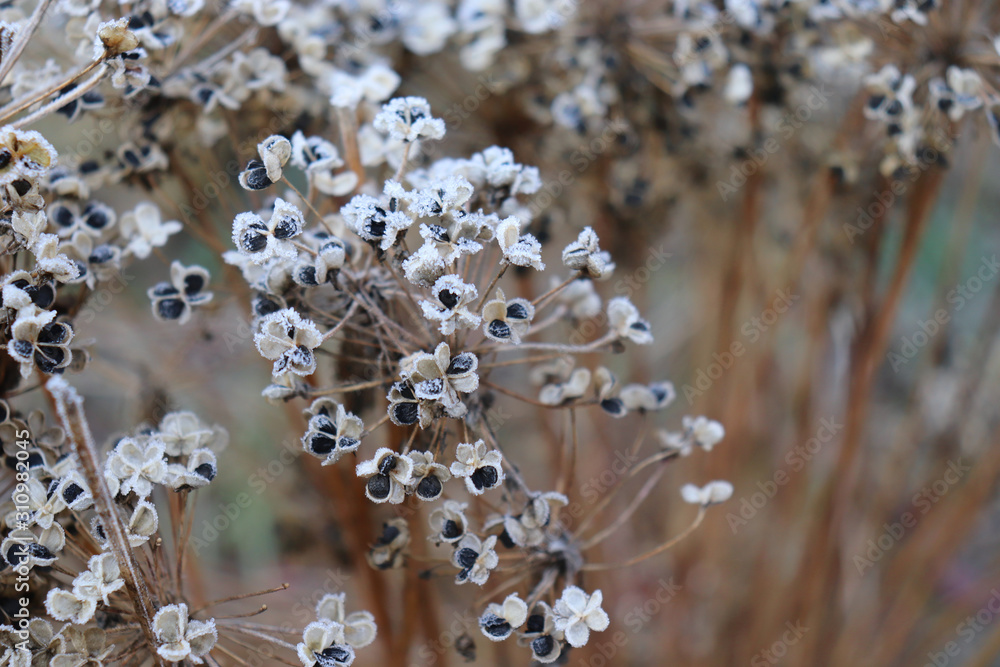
439 221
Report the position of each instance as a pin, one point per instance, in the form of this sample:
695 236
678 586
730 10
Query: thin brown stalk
69 406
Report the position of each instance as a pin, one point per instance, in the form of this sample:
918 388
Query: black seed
389 535
347 443
5 158
99 529
613 406
895 108
335 655
96 219
536 623
256 179
71 493
23 347
461 363
50 359
38 551
517 311
206 470
253 241
171 309
89 167
379 486
321 445
543 646
506 539
264 306
165 289
875 101
466 557
64 217
21 187
429 488
494 625
53 332
451 530
324 424
499 329
193 283
101 255
15 554
42 296
204 94
448 298
387 465
307 275
132 158
485 478
376 229
640 326
35 460
404 413
286 228
659 393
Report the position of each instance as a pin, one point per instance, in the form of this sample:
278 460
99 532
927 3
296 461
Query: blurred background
840 323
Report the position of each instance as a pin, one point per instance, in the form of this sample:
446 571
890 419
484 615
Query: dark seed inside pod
466 557
517 311
71 493
206 470
451 530
429 488
170 309
461 364
495 626
536 623
387 465
499 329
321 445
379 486
485 478
448 299
405 413
543 646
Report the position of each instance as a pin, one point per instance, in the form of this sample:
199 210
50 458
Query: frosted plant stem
69 406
